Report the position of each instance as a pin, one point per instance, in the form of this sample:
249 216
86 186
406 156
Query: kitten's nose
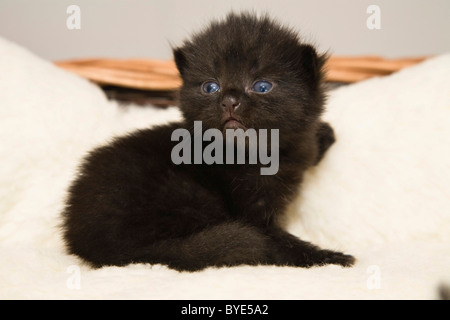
230 103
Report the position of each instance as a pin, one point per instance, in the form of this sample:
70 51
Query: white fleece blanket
381 193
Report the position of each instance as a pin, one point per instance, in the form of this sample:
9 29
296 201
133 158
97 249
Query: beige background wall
147 28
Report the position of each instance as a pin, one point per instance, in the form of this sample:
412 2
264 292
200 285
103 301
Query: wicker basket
155 81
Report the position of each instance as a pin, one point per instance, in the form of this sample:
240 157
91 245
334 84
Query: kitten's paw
325 138
333 257
324 257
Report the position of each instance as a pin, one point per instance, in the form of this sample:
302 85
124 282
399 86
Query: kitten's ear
180 60
312 63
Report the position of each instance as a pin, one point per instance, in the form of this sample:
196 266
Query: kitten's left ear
311 63
180 60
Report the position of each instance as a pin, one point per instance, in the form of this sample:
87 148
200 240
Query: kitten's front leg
325 138
289 250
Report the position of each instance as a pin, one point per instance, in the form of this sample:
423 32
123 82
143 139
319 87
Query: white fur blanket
381 193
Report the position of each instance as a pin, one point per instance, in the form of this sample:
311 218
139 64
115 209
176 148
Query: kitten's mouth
233 123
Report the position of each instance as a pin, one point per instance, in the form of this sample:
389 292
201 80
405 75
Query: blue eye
262 86
210 87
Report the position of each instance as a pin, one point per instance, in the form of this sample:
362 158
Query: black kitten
132 204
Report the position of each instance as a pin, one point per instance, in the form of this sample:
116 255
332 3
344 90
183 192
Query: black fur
132 204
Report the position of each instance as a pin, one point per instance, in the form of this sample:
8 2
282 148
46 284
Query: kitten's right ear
180 60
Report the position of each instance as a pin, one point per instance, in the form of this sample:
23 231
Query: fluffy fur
131 203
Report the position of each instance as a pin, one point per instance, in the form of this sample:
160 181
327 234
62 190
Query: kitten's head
249 72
